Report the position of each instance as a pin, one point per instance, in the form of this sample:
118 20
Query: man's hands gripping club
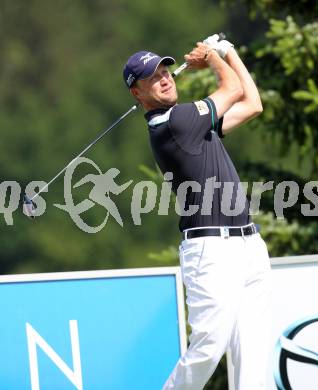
197 58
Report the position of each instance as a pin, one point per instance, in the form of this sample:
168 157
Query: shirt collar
152 113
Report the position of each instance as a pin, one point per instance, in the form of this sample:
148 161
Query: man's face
157 91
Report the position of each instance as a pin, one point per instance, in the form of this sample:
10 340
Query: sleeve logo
202 107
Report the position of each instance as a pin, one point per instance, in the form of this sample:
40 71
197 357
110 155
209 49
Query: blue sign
90 331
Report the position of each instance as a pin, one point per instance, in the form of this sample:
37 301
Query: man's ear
135 92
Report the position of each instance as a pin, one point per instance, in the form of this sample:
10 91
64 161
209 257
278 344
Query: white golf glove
221 47
212 41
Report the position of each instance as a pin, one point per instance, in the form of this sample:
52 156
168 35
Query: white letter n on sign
35 339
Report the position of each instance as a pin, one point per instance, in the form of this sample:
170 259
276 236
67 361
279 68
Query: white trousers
228 288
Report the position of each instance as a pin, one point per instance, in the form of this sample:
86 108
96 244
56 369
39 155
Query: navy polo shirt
185 140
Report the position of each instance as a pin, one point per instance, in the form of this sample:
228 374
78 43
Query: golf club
28 204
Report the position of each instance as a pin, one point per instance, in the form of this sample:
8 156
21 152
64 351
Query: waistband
221 231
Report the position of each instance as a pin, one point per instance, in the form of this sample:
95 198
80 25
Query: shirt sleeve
191 123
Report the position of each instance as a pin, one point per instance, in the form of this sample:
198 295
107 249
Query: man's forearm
250 91
227 76
229 89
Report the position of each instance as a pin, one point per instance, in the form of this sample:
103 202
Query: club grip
180 69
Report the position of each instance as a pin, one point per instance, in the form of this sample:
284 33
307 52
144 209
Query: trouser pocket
190 256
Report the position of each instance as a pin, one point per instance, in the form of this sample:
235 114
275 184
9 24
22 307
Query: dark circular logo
286 348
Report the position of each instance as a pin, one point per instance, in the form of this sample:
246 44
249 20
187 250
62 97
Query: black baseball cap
142 65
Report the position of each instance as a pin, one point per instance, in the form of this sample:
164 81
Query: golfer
224 260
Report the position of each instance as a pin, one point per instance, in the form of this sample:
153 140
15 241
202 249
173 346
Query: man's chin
171 101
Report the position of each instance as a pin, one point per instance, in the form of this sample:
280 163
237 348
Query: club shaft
104 132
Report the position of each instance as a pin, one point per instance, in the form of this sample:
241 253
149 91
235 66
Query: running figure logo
104 187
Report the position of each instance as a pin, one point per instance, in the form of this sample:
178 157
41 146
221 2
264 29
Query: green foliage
167 256
285 238
193 85
310 95
295 46
291 99
154 175
301 9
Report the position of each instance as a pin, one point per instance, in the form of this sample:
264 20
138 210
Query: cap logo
130 79
147 57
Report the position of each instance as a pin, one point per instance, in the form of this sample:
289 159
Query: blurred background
61 83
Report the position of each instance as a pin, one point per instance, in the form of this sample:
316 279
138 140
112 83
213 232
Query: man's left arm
250 105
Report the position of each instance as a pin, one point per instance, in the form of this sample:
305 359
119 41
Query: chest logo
202 107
